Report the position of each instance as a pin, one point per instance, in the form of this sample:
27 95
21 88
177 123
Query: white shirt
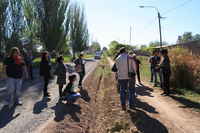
122 66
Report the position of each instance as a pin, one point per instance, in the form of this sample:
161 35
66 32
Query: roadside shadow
62 110
186 102
145 106
143 90
7 115
84 95
145 123
40 106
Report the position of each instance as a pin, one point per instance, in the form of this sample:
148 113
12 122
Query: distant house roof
179 44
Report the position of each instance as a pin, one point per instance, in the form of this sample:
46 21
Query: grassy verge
145 68
89 56
186 96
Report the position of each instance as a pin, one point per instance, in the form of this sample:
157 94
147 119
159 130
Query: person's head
60 59
45 56
164 52
122 50
132 54
14 52
72 78
81 55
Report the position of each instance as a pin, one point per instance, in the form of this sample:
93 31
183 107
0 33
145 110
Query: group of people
127 68
18 66
160 66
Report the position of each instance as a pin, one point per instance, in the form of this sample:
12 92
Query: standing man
165 69
15 66
154 62
126 71
80 68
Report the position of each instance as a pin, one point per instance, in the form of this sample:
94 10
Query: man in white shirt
126 65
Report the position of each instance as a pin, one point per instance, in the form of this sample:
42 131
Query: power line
166 12
179 6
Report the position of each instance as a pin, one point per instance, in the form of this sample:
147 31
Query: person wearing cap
126 72
80 68
165 69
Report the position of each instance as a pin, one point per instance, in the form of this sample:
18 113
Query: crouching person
71 93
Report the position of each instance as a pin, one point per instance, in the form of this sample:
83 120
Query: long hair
13 50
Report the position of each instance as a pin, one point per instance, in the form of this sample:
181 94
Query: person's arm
150 60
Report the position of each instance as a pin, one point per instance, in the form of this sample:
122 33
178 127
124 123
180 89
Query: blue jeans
130 85
14 87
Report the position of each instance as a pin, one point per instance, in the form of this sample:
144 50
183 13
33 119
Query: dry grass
185 68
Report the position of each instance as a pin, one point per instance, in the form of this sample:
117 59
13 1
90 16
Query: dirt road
35 110
174 117
160 114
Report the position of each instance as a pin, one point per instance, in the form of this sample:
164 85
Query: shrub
185 68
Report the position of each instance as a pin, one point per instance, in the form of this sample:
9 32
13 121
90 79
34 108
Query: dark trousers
30 71
166 81
130 86
152 74
138 75
60 89
46 82
81 74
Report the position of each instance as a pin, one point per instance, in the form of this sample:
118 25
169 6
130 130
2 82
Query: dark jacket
45 69
13 70
165 65
68 89
79 61
61 73
154 60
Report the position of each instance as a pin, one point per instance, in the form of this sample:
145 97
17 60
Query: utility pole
159 17
130 35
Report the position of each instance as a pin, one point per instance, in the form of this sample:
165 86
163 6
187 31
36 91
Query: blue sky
111 20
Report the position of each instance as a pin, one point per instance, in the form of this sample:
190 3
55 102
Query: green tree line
58 25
